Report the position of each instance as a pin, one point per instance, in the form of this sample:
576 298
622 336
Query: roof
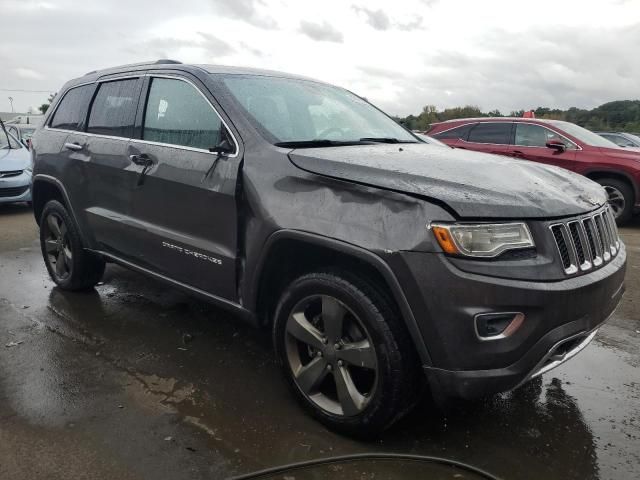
496 119
166 64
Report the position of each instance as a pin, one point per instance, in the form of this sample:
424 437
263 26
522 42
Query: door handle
73 146
517 153
142 159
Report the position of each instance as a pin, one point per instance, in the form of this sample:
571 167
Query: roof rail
162 61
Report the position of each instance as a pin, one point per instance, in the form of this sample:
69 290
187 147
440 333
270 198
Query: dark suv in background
555 143
299 206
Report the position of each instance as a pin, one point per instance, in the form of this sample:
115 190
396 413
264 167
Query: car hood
626 153
472 184
14 159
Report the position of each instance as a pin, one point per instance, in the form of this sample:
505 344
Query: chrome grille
586 242
12 173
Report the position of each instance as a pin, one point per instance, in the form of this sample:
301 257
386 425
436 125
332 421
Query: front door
184 201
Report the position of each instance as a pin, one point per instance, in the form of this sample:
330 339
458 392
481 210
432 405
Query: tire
384 393
621 198
70 266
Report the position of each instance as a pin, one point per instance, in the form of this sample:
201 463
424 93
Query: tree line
618 116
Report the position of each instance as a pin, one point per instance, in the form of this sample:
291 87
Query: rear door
488 137
108 173
59 149
530 143
184 203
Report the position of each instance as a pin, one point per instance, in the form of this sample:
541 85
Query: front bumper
15 189
559 317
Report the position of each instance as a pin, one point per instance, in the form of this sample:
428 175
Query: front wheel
620 197
70 266
345 353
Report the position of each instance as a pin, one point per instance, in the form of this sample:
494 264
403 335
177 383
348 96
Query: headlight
482 239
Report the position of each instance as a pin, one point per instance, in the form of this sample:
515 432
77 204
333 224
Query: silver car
15 169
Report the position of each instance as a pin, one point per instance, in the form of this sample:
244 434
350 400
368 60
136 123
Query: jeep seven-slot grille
586 242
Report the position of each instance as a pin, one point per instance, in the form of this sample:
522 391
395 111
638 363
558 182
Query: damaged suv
380 263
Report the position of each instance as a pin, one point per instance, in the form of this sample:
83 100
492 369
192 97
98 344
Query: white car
15 169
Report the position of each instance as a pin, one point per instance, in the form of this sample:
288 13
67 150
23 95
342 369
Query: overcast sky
401 55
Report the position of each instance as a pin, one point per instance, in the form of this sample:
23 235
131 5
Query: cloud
415 24
27 73
245 10
376 18
214 46
322 32
493 56
379 20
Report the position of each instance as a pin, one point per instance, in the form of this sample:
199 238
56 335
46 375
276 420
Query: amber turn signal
443 236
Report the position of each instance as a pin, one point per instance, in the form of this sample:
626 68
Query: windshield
584 135
289 111
634 138
8 141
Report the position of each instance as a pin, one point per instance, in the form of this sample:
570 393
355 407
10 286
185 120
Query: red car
557 143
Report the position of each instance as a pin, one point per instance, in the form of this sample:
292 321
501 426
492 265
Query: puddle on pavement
174 355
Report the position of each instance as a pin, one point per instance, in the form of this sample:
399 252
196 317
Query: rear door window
72 110
487 132
178 114
460 132
114 107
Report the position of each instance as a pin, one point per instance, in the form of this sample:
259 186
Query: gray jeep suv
380 263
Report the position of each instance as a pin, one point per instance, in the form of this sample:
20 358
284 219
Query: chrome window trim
139 140
49 119
184 147
578 147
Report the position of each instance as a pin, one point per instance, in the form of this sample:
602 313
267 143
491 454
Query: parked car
380 263
23 132
622 139
557 143
27 119
15 169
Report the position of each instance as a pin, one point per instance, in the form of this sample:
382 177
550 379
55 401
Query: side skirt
227 305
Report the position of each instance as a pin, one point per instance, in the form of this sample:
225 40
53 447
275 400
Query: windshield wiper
384 140
316 143
8 147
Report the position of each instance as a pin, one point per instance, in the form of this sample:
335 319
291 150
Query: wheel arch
603 173
45 188
288 253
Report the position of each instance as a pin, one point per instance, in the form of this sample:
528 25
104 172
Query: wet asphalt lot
136 380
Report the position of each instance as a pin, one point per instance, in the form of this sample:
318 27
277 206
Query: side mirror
224 146
556 145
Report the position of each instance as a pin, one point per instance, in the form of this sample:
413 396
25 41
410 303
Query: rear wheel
344 353
70 266
620 197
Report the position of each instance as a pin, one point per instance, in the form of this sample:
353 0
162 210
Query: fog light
494 326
